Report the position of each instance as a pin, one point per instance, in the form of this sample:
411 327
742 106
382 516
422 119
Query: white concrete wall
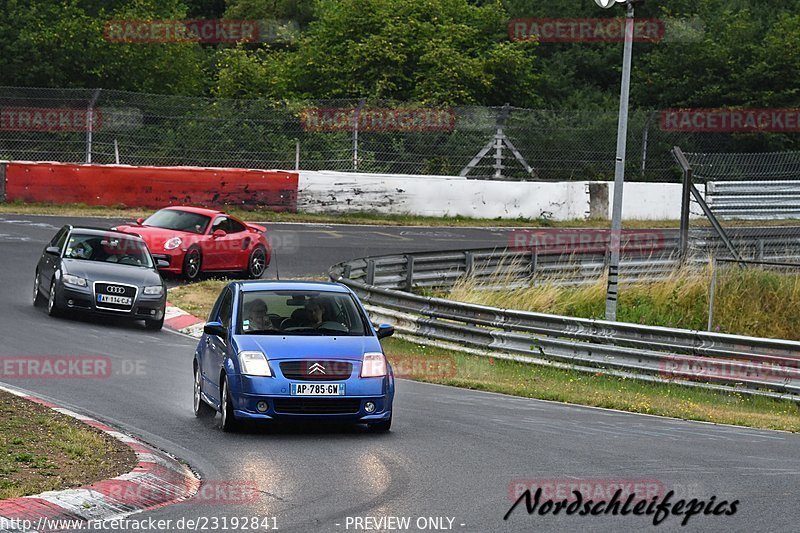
346 192
650 201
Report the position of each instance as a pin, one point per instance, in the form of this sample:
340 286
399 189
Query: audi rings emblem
113 289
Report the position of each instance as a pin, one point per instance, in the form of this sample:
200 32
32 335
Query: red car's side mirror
218 233
139 221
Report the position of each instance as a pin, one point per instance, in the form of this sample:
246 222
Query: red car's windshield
178 220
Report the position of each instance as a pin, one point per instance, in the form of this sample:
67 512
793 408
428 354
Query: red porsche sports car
195 240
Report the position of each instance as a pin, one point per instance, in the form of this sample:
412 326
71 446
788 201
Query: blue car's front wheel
201 408
227 419
381 427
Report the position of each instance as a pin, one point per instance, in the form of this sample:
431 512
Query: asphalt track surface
451 453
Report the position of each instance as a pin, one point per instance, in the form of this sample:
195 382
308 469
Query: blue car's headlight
373 366
76 281
254 364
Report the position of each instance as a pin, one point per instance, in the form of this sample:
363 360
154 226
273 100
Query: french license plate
317 389
113 299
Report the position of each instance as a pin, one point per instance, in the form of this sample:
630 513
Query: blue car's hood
309 347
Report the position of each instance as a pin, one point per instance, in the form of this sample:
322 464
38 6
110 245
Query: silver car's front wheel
37 295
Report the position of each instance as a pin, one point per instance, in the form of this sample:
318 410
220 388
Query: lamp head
605 4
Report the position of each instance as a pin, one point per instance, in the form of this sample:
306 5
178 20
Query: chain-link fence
106 126
743 207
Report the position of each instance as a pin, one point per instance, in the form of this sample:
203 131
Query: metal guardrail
747 365
754 200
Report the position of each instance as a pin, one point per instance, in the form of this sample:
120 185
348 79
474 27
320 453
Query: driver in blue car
314 314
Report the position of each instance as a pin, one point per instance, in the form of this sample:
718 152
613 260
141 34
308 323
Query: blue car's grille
316 370
317 406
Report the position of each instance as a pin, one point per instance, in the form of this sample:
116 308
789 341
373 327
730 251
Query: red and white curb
157 480
179 320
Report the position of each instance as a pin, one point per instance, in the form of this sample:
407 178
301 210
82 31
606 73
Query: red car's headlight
172 243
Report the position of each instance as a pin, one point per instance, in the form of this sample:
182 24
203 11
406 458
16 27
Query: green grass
43 450
748 301
599 390
533 381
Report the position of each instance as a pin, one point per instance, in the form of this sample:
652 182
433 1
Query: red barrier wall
151 187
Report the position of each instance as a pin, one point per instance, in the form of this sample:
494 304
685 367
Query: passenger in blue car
257 316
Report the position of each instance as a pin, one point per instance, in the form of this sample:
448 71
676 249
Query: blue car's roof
289 285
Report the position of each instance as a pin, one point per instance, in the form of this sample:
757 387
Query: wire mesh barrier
107 126
749 202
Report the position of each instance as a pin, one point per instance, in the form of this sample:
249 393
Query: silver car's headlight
154 290
254 364
75 281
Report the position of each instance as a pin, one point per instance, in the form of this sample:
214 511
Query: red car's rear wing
256 227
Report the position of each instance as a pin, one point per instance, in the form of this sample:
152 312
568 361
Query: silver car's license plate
317 389
113 299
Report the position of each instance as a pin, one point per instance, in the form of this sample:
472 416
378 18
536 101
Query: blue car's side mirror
385 330
215 328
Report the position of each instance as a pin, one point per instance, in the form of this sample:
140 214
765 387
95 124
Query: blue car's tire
227 420
381 427
201 408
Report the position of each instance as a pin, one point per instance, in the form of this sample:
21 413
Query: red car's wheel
257 263
192 262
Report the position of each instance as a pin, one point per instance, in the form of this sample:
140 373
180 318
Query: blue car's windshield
300 313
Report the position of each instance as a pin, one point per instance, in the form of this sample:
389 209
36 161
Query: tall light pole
619 170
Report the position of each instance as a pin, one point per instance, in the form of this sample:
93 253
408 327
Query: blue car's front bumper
248 391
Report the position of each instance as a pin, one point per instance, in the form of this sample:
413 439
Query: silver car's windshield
300 313
109 248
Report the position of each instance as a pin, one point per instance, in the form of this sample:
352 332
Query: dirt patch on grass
43 450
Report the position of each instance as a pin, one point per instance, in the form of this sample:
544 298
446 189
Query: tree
428 51
61 43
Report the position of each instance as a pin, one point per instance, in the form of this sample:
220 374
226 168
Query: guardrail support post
760 249
469 263
347 269
712 292
370 271
534 261
409 273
